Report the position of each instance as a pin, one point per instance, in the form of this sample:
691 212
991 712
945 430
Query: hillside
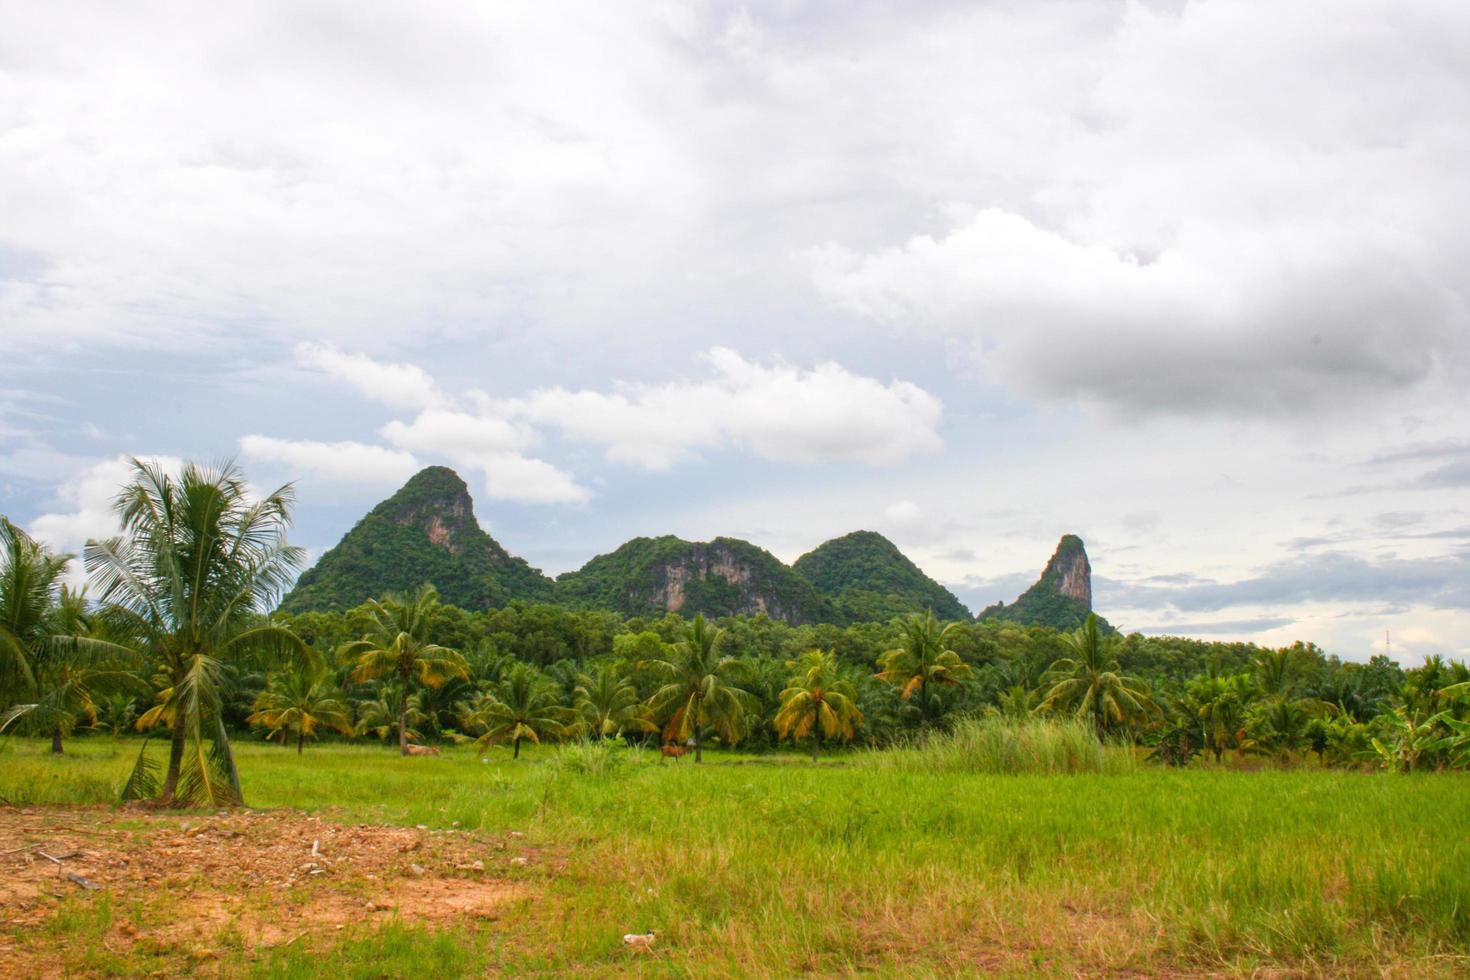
723 577
1061 598
426 532
868 579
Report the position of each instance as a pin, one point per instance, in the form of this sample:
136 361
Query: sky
1184 278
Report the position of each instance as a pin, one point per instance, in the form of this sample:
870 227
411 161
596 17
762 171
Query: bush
994 744
589 758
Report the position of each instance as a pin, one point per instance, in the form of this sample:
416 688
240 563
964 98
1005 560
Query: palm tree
923 659
1221 705
47 652
817 702
1091 684
380 717
69 674
522 707
394 645
699 688
196 567
301 701
607 702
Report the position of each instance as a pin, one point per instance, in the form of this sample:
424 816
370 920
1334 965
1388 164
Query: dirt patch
175 883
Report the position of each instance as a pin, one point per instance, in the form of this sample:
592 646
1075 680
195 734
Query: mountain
1061 598
723 577
868 580
426 532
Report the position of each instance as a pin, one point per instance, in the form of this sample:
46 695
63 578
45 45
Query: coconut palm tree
50 661
380 717
818 702
395 645
1091 685
198 563
922 659
72 671
699 688
301 701
1222 705
607 702
523 707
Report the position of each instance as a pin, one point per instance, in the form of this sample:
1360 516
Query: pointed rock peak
437 500
1068 571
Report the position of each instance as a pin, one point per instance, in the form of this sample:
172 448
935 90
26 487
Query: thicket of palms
47 652
299 702
607 703
522 707
197 565
1090 684
394 644
818 702
923 659
700 688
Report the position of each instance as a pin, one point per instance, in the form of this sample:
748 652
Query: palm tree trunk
175 759
816 741
300 740
698 704
56 741
403 714
516 748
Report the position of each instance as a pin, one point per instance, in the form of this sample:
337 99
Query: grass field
773 866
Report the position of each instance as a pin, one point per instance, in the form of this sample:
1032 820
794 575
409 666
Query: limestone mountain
1061 598
426 532
723 577
868 579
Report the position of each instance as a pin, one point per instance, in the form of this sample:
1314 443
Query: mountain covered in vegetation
868 580
1061 598
426 532
723 577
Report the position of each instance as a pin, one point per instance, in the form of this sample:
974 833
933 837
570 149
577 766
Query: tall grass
997 745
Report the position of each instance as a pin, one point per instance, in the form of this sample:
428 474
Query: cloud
395 385
1440 582
348 461
778 412
1217 239
459 434
89 495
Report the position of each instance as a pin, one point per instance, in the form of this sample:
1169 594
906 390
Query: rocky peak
438 501
1069 572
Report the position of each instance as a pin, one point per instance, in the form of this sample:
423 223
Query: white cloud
778 412
511 476
1254 211
459 434
395 385
90 496
350 461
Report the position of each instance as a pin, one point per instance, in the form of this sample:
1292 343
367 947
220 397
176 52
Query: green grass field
773 866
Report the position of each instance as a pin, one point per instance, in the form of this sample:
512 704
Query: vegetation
197 564
869 580
903 868
393 645
818 703
523 707
699 689
1089 685
923 659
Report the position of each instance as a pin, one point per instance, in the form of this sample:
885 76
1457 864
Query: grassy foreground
773 866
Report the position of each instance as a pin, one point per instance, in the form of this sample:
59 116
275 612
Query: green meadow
866 863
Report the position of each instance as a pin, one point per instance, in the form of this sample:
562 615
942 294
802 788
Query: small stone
417 869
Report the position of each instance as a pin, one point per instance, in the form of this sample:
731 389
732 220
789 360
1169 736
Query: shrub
995 744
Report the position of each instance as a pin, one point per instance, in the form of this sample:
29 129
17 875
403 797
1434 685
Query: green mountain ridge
869 580
426 532
723 577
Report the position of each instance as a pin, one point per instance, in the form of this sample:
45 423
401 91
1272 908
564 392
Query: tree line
173 637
